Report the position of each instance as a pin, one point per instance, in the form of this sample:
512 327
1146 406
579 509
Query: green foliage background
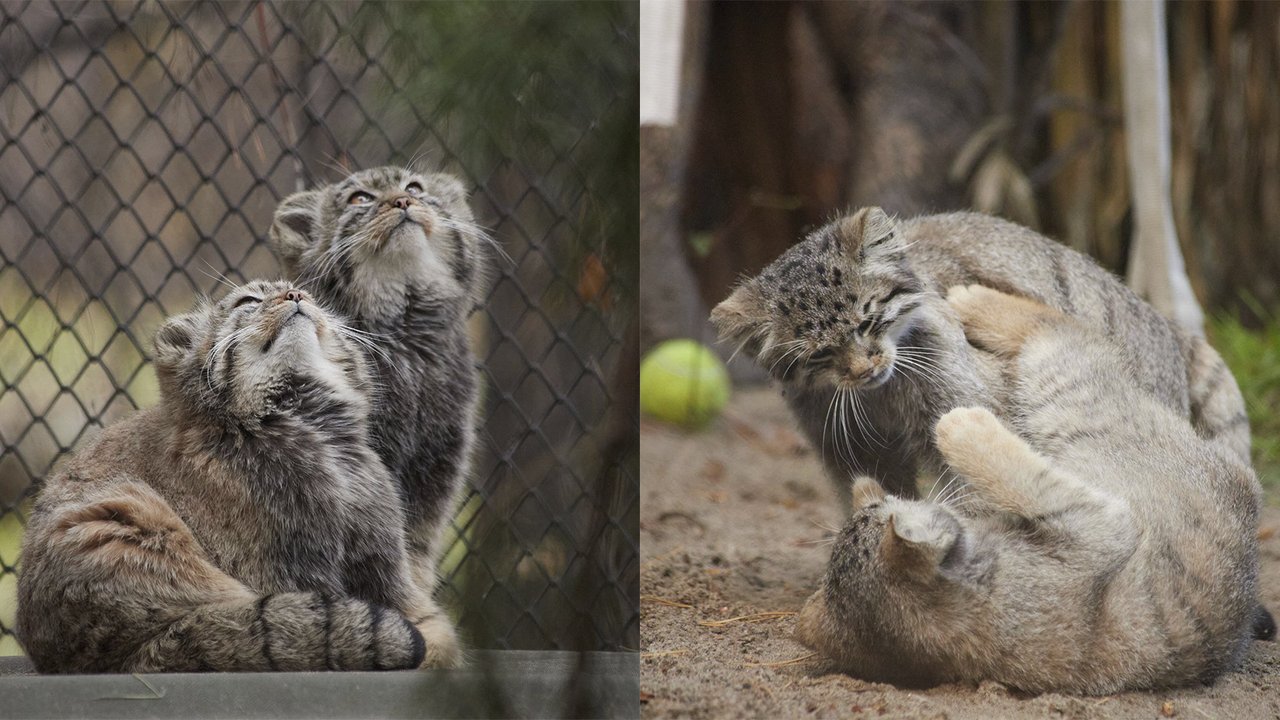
551 84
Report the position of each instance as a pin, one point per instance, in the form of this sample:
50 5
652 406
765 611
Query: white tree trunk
1156 270
661 37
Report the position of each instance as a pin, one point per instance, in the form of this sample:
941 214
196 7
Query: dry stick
664 653
664 601
782 663
752 618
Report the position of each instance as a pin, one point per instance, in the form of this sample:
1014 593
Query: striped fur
1101 544
397 251
852 322
244 523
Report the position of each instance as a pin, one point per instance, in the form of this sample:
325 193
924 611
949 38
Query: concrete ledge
497 683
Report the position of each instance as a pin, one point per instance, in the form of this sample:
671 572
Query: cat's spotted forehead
376 178
256 288
855 547
814 261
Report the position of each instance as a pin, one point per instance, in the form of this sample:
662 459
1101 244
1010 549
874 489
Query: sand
732 522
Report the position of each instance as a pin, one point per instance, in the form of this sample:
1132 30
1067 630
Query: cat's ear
742 314
174 340
866 229
292 226
911 547
866 492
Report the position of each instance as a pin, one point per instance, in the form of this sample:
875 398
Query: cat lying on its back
1105 545
242 524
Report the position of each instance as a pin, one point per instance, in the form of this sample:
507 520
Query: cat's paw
995 321
443 648
812 626
866 491
965 430
973 442
996 462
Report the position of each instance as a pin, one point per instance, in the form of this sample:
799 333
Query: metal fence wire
144 148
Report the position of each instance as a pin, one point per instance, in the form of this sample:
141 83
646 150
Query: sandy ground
730 523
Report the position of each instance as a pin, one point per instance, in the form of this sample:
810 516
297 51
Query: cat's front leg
443 647
996 462
1007 473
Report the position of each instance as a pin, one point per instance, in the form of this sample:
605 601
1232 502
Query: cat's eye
246 300
359 197
822 355
895 293
414 188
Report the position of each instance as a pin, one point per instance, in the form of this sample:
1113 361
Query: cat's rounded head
897 574
362 240
833 309
261 350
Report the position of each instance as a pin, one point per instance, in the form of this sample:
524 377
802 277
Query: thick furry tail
1217 407
114 581
288 631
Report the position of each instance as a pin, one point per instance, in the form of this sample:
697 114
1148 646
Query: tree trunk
1156 270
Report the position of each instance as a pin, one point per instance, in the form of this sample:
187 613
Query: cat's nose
294 295
401 201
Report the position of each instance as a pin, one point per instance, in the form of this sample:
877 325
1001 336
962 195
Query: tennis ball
683 382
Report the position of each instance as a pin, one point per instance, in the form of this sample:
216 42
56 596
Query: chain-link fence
144 147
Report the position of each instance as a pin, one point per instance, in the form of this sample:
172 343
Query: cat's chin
297 338
401 239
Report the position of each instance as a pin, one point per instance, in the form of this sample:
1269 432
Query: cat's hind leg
998 322
116 582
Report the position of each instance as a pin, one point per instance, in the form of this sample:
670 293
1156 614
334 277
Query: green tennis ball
683 382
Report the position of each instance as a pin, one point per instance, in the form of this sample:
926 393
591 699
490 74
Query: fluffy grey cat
397 252
852 322
244 523
1104 546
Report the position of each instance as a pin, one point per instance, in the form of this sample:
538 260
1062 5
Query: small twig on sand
752 618
664 601
781 663
664 653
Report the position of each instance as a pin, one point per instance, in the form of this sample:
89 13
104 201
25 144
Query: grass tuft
1253 354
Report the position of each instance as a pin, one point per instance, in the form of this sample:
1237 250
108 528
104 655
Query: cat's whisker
218 276
798 354
863 421
915 365
934 492
960 489
789 349
828 421
824 526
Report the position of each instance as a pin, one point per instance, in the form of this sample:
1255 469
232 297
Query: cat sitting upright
244 523
396 251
